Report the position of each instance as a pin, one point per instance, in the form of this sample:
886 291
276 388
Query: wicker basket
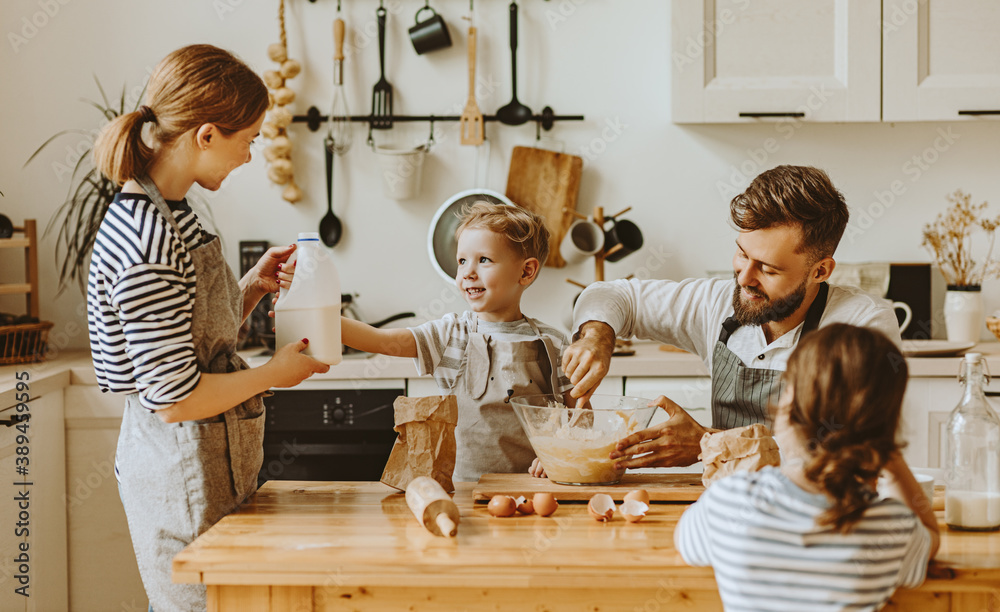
993 323
25 343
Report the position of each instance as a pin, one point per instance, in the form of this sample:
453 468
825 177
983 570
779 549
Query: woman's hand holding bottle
289 366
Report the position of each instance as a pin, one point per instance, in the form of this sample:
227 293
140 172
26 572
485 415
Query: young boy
490 352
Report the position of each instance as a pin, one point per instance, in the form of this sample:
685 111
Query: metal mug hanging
430 34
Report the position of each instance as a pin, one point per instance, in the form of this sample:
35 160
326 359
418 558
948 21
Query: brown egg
601 507
638 495
634 510
525 505
501 505
545 504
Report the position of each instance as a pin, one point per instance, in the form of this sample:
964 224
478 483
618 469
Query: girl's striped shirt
140 298
759 533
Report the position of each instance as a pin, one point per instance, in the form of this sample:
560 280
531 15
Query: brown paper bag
743 449
426 442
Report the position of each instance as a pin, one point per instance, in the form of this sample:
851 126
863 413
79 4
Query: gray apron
178 479
741 395
488 435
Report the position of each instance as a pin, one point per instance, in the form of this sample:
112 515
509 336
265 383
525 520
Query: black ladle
330 228
514 113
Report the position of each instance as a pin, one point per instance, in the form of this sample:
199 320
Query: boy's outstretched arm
364 337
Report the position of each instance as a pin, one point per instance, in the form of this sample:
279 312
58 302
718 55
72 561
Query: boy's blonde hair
523 229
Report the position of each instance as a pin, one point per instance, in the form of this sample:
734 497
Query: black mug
625 233
431 34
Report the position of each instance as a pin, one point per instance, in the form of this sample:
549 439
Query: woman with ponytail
164 310
813 534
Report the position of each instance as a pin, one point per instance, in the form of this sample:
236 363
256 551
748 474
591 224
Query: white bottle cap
308 236
973 357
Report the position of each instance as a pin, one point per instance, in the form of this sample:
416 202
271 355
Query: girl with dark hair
813 535
164 309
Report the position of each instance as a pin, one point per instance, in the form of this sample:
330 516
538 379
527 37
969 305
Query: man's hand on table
587 360
675 442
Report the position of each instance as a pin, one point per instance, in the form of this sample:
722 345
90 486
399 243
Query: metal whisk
339 132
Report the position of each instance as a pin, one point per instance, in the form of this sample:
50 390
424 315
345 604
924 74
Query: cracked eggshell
502 505
525 505
639 495
545 504
634 510
601 507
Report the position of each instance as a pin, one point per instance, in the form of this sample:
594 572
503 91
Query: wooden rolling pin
432 506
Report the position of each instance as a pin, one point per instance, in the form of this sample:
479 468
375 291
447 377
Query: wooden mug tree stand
599 219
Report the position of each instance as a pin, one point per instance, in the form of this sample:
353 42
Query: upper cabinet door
739 60
941 59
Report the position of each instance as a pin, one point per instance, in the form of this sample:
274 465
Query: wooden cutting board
545 182
661 487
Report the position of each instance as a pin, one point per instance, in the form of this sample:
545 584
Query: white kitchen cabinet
941 59
43 516
693 394
742 61
98 539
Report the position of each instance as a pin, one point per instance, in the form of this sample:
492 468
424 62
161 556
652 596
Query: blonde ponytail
119 152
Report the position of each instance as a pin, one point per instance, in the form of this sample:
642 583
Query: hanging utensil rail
314 119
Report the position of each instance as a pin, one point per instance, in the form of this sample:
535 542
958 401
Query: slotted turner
382 93
471 121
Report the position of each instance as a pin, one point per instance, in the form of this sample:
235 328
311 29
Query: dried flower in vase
949 239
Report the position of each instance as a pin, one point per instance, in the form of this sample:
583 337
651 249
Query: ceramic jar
964 314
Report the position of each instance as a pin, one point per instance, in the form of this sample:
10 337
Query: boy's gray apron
740 395
488 436
178 479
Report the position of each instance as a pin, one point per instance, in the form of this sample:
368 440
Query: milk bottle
972 455
310 308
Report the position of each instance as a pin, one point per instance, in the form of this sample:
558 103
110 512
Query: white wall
606 60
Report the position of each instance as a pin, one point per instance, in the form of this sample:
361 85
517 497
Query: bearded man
790 220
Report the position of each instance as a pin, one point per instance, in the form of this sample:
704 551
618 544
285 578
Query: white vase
964 314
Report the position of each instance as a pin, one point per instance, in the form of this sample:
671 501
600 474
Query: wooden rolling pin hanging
432 506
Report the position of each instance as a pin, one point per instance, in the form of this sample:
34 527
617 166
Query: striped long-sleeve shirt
140 298
759 533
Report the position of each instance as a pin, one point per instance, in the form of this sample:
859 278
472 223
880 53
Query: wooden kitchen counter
355 546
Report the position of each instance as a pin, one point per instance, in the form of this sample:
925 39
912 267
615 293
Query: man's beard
769 311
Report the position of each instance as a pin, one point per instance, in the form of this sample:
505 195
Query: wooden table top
363 534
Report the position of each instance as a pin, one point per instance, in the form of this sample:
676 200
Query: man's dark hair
794 195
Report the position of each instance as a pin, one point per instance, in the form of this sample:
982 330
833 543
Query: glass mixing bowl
573 444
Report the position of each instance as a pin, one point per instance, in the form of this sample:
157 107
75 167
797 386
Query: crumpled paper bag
743 449
426 442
